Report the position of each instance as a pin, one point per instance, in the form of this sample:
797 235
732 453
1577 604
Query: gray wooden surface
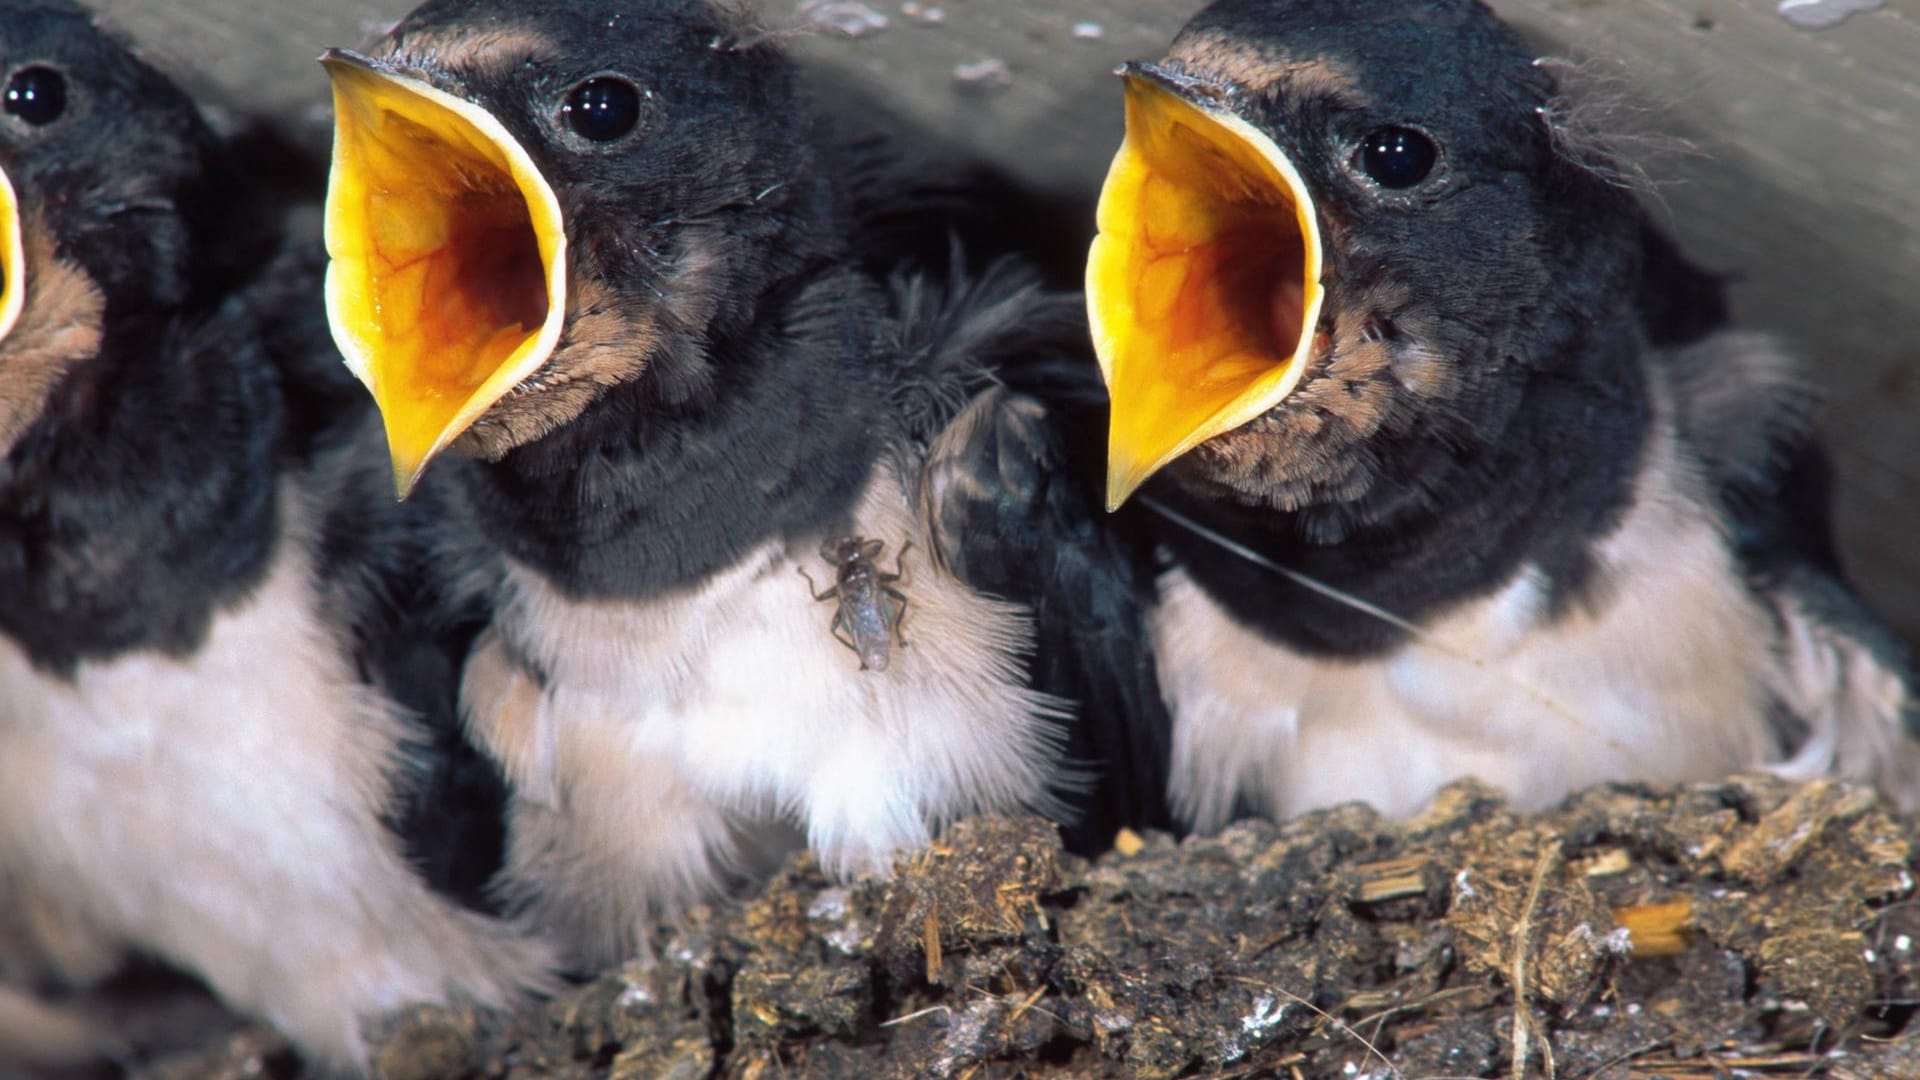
1804 178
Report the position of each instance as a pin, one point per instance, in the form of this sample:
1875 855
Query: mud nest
1746 928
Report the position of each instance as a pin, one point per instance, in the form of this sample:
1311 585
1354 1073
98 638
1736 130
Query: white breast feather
667 728
1659 678
222 811
1856 707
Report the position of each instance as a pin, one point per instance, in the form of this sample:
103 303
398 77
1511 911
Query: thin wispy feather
1420 634
1601 121
810 18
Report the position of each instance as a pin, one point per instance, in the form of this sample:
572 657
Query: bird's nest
1747 928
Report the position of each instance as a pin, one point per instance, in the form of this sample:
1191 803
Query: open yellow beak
1203 285
13 259
448 280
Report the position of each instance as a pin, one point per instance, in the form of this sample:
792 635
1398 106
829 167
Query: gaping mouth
448 280
1203 285
13 259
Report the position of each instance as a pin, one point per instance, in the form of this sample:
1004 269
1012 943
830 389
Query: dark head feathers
1446 298
680 228
128 176
956 332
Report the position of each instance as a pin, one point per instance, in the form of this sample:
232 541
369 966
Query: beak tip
1127 469
338 57
405 479
407 469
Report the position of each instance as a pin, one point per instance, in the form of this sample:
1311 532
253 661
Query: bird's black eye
1397 157
37 95
602 108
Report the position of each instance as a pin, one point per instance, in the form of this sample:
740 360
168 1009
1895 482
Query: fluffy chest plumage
734 699
224 810
148 771
1660 676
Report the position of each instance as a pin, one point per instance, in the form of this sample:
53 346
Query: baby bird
191 765
600 273
1458 469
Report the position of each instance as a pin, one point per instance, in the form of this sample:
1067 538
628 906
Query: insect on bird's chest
868 608
750 685
868 615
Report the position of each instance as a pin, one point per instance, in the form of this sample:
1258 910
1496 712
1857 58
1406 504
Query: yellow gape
447 285
1203 285
13 259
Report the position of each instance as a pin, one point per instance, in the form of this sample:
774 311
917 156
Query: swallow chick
1458 469
598 269
191 764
